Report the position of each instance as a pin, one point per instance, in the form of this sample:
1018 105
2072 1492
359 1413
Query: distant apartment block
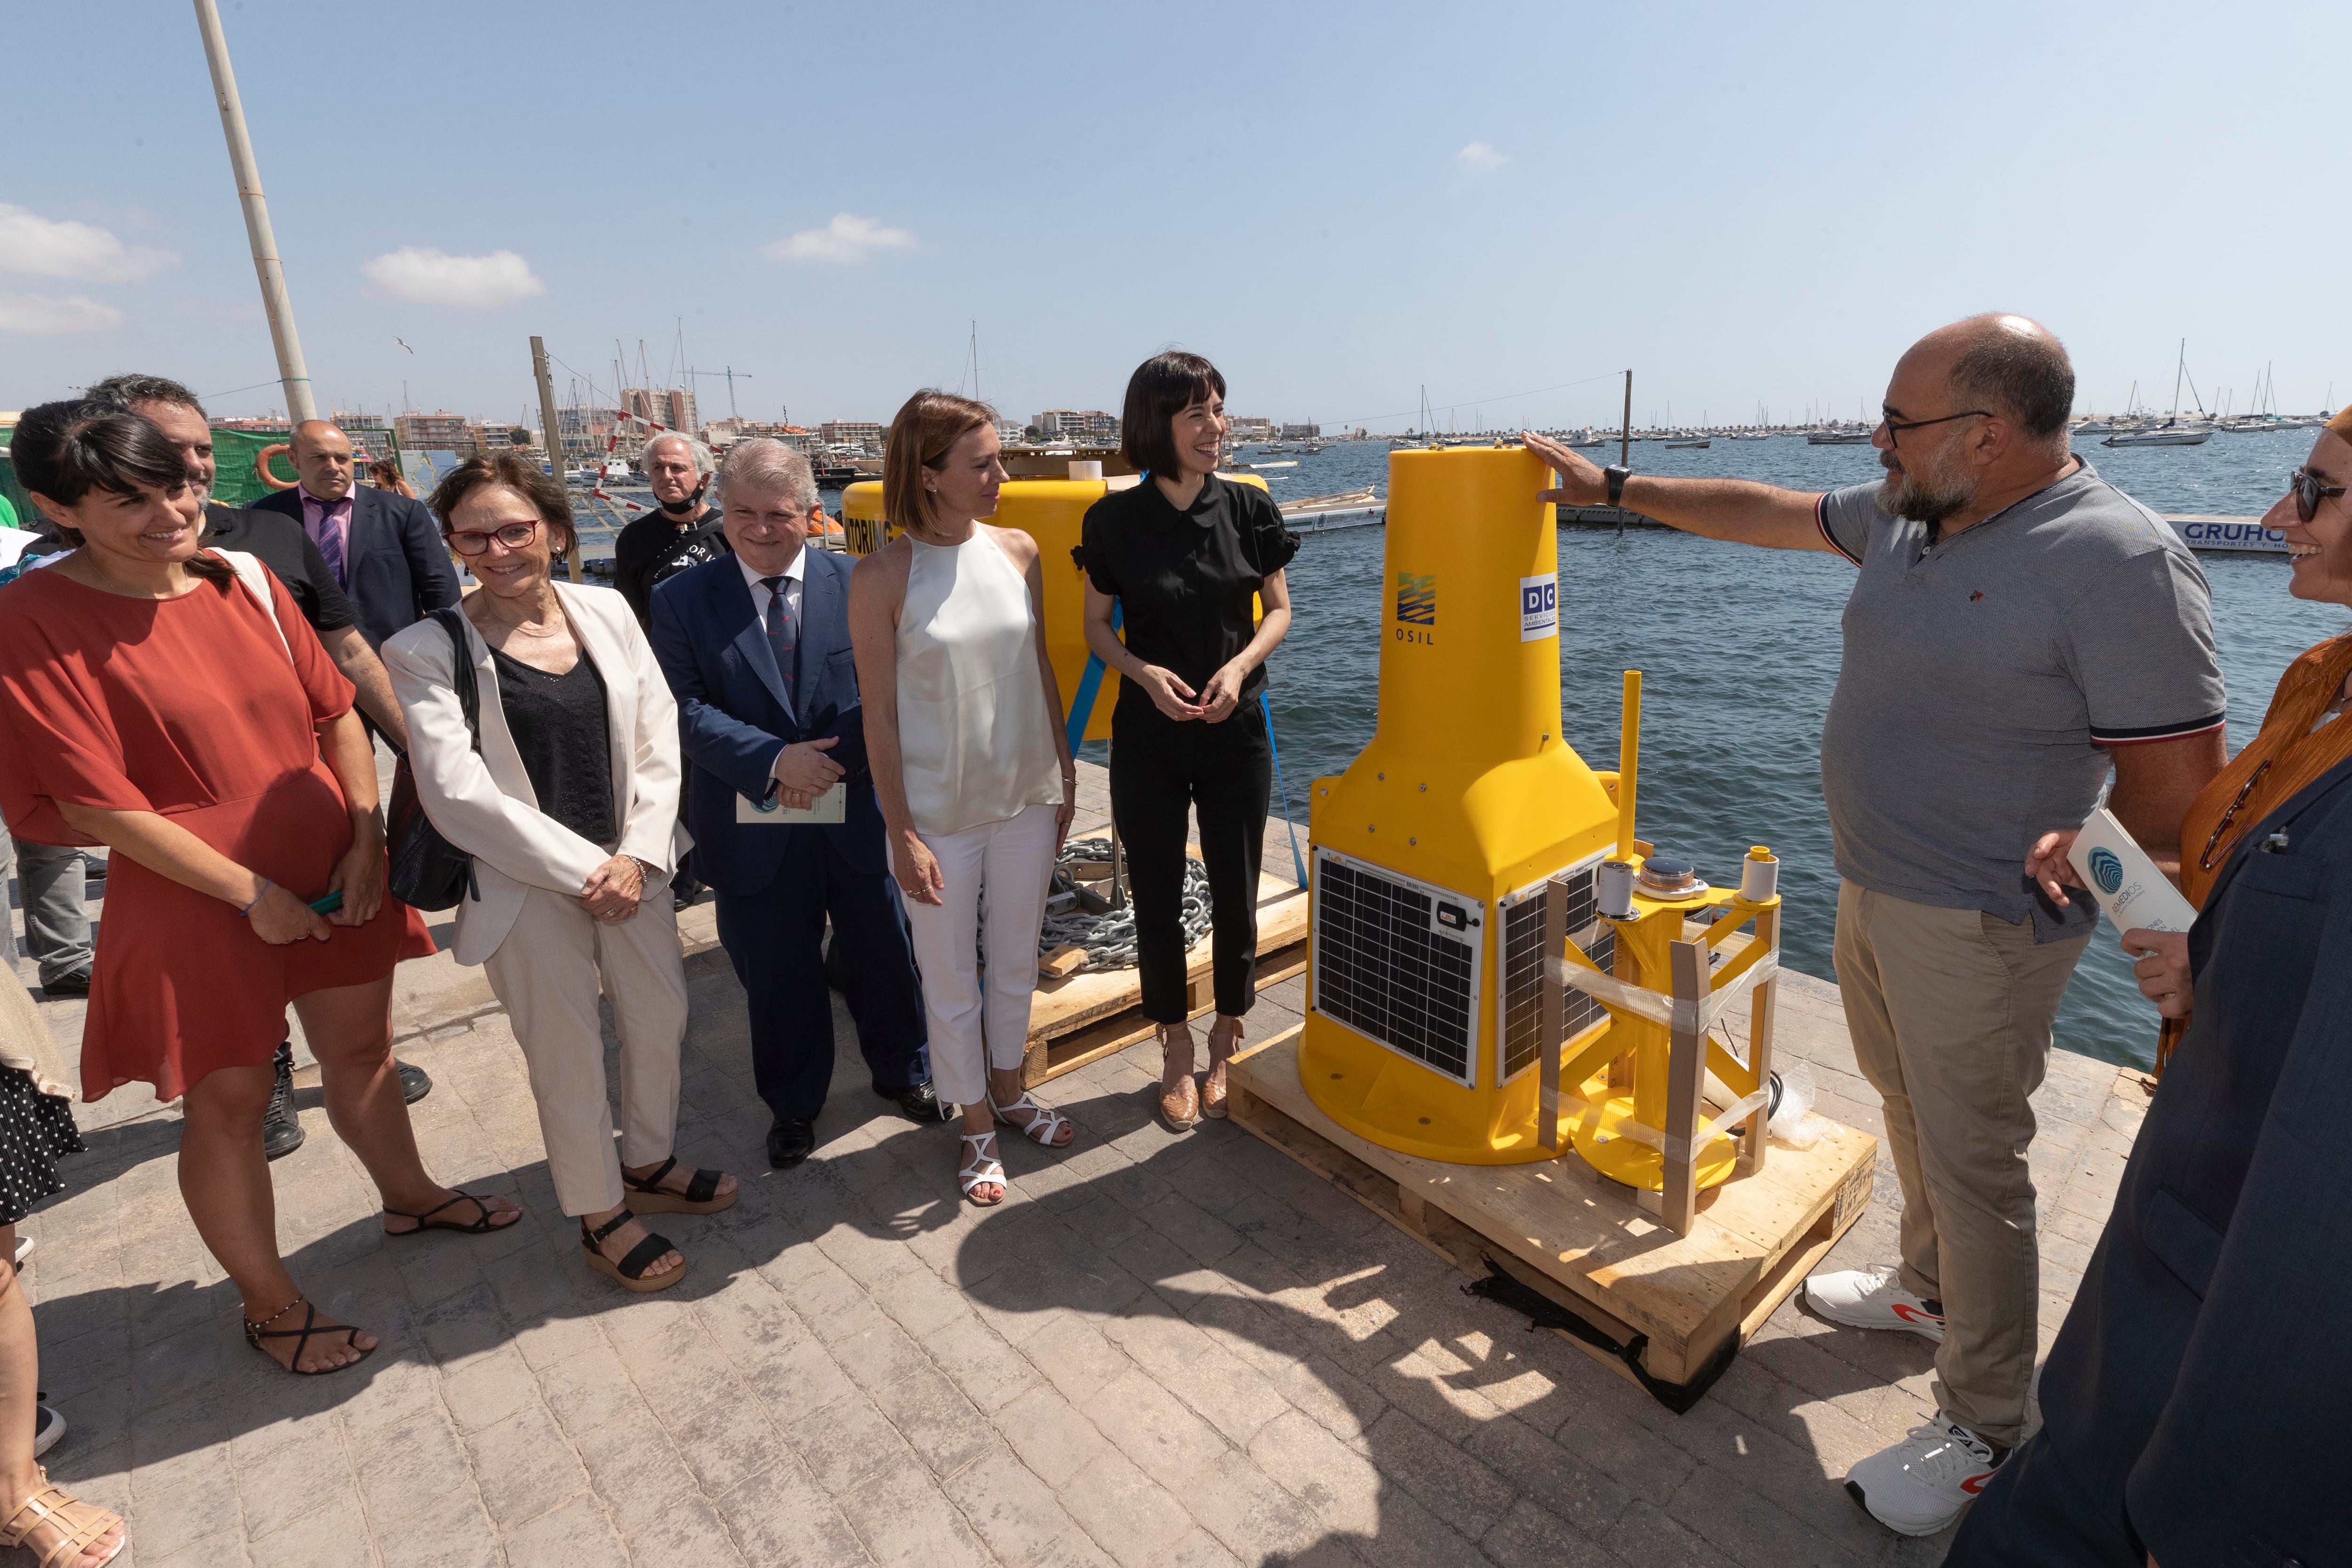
851 432
439 430
1091 424
671 409
1301 432
1251 429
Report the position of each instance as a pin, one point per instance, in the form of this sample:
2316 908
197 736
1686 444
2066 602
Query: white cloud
433 277
45 318
848 238
45 247
1478 158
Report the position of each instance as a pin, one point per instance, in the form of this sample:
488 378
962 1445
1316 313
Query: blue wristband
266 885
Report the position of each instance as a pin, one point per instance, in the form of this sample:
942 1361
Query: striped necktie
784 631
331 543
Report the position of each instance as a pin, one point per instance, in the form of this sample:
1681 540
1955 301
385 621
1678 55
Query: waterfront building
439 430
1301 432
859 433
1250 429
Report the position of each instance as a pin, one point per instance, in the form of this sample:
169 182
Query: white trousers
547 974
1011 861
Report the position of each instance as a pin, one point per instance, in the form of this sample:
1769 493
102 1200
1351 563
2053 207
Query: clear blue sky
1746 204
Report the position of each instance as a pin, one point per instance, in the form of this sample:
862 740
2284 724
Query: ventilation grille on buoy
1521 1004
1398 961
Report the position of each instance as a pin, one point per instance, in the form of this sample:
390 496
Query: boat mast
292 374
1625 430
2178 366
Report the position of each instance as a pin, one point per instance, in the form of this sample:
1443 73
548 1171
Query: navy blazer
2199 1389
396 569
733 717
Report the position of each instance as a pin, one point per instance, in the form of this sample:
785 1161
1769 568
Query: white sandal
983 1169
1041 1128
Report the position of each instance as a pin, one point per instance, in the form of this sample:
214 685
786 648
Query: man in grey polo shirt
2018 628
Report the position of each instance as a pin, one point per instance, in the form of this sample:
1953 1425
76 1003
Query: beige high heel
1180 1103
1212 1086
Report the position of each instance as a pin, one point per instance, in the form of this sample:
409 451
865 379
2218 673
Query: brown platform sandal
79 1523
701 1195
630 1271
1212 1086
255 1332
1180 1103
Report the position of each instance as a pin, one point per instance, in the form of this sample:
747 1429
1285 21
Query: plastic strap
1082 704
1298 861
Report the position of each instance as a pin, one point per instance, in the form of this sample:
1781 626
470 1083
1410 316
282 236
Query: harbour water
1740 649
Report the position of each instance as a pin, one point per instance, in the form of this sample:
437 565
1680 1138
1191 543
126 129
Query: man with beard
655 545
281 545
2018 627
679 533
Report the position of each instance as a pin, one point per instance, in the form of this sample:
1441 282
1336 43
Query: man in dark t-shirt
681 531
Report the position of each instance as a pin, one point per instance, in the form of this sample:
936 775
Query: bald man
384 550
2019 631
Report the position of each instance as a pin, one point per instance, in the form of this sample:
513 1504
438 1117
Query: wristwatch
1617 474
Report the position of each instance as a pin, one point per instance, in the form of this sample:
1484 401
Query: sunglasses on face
514 536
2309 489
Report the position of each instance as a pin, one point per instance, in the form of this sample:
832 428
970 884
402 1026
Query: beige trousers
1950 1012
547 974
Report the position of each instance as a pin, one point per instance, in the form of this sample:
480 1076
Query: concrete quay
1160 1350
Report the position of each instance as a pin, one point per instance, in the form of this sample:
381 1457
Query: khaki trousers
547 974
1950 1012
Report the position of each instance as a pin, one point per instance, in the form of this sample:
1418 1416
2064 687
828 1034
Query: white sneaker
1870 1299
48 1427
1919 1486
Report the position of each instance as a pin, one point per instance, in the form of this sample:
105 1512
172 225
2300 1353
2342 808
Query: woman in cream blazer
570 811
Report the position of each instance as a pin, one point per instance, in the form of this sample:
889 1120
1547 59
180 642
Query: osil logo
2106 870
1416 606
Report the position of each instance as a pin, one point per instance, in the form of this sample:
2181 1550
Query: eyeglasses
1896 427
2205 860
2309 487
514 536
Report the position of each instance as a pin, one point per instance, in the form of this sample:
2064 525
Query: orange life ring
261 466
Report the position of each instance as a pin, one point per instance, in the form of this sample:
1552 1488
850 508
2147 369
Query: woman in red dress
151 701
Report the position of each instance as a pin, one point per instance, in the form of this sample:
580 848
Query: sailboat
2171 433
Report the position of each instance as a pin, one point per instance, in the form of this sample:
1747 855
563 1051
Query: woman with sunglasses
2307 732
567 799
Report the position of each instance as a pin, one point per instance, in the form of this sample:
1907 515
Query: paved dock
1163 1349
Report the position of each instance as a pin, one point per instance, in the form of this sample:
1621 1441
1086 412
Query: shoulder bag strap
461 670
255 577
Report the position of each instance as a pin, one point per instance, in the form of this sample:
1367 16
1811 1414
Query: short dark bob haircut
507 466
63 451
1162 387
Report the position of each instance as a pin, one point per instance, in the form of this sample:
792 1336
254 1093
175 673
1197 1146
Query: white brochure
830 807
2135 895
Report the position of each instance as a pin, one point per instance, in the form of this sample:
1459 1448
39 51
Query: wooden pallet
1084 1017
1577 1239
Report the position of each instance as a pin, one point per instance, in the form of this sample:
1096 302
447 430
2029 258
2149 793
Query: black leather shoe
415 1083
916 1105
73 983
281 1130
790 1143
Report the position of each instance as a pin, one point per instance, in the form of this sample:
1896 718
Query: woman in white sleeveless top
971 765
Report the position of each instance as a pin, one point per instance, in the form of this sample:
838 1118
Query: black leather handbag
429 872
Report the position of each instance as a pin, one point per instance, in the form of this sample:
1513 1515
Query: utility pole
291 373
554 432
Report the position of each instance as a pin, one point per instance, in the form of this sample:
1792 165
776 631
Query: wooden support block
1061 961
1089 871
1761 1004
1686 1085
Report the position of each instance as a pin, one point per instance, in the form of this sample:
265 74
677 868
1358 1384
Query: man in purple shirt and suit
384 550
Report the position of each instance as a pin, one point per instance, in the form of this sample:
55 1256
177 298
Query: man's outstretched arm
1740 510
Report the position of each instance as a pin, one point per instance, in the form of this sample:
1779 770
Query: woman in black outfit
1181 557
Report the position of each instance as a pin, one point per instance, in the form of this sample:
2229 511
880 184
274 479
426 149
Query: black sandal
254 1333
702 1196
481 1225
630 1271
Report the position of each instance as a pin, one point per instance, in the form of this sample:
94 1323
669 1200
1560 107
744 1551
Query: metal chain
1110 937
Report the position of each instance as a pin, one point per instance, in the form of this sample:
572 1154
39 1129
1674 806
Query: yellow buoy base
1598 1139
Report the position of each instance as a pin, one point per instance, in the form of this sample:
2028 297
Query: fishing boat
1701 445
1837 438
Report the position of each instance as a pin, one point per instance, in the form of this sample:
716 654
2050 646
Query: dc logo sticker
2106 870
1539 607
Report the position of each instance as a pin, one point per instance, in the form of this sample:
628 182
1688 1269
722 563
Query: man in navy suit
2194 1403
756 646
384 550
